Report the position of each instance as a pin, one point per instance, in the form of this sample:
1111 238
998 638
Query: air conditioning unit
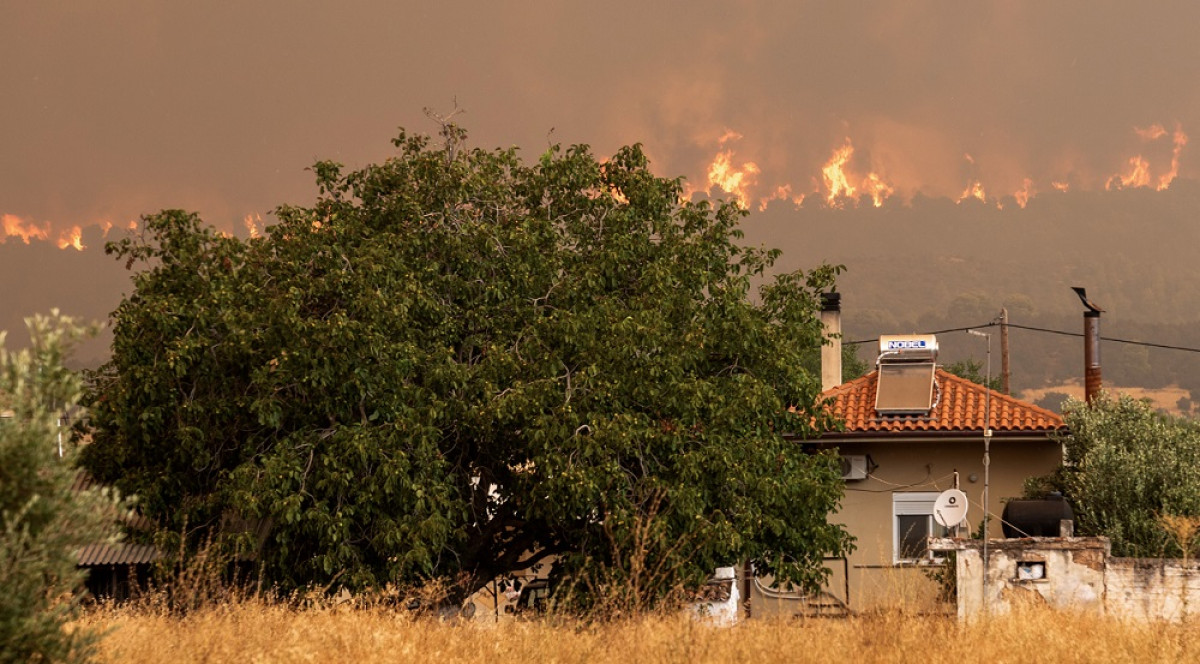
854 466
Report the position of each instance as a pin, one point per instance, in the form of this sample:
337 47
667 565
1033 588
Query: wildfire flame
71 238
974 190
844 181
252 222
731 179
877 189
839 183
1178 140
728 177
1024 193
1137 175
14 226
1138 171
834 174
782 193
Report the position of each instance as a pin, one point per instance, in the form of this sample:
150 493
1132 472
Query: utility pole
987 459
1005 386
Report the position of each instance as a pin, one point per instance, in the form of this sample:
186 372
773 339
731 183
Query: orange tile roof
959 406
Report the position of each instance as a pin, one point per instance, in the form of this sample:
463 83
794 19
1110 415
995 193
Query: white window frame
915 503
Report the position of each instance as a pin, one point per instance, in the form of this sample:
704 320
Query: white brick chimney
831 350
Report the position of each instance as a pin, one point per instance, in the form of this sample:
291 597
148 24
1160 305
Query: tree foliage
1128 466
43 520
974 371
456 364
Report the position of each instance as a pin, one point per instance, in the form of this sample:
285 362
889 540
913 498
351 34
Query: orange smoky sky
114 109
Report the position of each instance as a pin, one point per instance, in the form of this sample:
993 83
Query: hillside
931 264
935 264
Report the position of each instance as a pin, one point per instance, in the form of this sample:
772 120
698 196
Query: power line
1131 342
953 329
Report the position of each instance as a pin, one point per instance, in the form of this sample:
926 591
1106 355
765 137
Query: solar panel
905 388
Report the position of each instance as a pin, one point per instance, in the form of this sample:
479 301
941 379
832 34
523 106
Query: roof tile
959 405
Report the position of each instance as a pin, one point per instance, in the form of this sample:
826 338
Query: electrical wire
893 486
993 515
952 329
1031 328
1148 344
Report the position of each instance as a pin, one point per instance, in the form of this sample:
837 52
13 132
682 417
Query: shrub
1126 467
42 519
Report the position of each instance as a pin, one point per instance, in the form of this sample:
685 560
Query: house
114 568
912 430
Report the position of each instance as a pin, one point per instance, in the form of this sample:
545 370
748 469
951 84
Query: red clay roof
959 405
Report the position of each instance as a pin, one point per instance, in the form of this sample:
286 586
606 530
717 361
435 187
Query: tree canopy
458 365
974 371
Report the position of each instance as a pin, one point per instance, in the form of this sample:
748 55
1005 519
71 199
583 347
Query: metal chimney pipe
831 351
1091 346
1091 355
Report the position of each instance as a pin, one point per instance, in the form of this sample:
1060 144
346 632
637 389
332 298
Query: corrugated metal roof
959 406
135 520
95 555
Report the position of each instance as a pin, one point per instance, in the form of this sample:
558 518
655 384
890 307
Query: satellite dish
950 508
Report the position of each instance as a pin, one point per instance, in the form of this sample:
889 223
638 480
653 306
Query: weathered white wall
1073 573
1152 588
1080 575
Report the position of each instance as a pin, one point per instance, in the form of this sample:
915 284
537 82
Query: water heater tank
1035 518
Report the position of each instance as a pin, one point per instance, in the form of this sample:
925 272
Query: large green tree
456 364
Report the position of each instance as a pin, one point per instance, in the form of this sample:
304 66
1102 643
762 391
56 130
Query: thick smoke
116 109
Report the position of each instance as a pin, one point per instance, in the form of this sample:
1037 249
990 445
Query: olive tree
1127 467
43 521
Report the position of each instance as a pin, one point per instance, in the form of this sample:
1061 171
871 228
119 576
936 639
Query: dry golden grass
1162 398
254 631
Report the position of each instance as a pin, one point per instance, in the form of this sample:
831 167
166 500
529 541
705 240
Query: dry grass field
253 631
1165 399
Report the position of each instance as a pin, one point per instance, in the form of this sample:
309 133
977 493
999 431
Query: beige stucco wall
875 579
